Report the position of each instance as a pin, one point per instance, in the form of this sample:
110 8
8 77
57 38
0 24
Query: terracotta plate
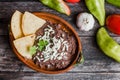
66 26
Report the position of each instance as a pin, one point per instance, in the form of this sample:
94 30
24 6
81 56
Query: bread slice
23 44
16 24
31 23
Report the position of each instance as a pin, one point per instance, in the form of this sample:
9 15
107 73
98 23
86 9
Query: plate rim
22 59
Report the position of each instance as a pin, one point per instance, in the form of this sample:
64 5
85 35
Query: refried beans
59 49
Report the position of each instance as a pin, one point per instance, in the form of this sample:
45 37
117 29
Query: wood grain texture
97 66
8 8
95 60
65 76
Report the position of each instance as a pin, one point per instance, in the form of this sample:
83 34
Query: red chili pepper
72 1
113 23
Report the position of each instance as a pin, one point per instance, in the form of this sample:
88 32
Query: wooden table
97 66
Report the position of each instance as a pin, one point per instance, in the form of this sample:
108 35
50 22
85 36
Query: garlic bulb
85 21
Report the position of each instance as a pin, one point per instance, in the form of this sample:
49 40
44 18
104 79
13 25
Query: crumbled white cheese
38 58
51 53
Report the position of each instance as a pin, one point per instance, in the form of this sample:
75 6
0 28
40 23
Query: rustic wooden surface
97 66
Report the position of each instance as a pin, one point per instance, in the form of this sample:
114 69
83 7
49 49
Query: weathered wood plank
65 76
97 66
7 9
95 60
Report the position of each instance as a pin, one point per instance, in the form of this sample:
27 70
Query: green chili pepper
58 5
114 2
97 8
108 45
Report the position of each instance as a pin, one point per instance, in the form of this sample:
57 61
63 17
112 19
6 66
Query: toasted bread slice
23 44
31 23
16 24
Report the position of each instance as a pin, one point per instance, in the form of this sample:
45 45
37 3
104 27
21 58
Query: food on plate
58 5
55 47
16 24
48 44
72 1
114 2
31 23
97 8
109 46
25 25
23 45
85 21
113 23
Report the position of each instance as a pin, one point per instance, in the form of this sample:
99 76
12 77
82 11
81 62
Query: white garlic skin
85 21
